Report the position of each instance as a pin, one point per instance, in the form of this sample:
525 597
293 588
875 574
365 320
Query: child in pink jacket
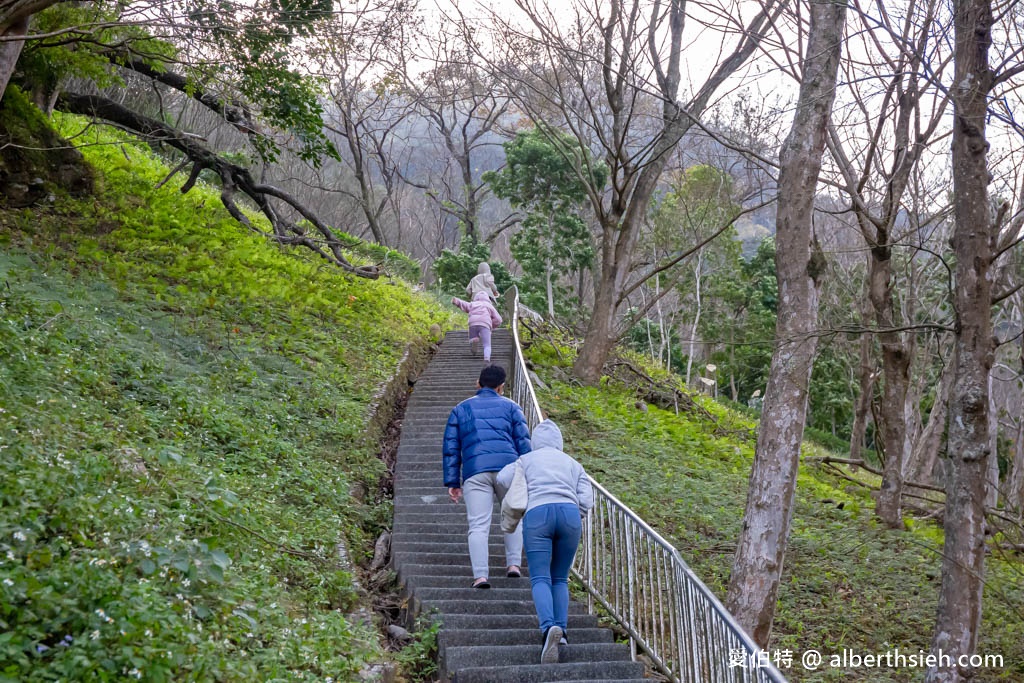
483 317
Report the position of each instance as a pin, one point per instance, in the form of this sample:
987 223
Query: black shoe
549 653
563 650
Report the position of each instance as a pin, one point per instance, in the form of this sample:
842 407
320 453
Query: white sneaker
549 655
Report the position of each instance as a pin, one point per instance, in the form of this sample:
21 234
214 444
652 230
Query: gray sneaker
549 655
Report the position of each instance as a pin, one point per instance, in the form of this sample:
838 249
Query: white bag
513 505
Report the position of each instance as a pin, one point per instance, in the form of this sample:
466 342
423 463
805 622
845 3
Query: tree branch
232 177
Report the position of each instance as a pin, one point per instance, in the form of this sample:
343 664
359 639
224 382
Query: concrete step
506 622
414 488
417 479
444 521
520 593
495 559
420 480
545 673
466 656
531 636
427 495
459 538
431 509
458 530
438 535
421 582
496 576
446 548
490 607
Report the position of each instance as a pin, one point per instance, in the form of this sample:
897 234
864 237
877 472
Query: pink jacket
481 311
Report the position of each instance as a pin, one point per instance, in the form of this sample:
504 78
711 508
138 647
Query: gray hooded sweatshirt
483 281
551 475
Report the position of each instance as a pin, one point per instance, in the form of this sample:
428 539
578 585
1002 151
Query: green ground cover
848 582
183 442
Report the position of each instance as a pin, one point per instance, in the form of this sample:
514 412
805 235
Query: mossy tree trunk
761 549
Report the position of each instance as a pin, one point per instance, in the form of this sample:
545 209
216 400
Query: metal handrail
643 582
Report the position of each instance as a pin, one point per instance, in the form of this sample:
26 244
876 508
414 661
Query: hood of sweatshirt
483 269
481 296
546 435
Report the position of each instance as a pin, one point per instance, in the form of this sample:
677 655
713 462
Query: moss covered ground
184 453
849 583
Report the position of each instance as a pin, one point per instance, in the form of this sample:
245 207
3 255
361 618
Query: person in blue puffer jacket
484 433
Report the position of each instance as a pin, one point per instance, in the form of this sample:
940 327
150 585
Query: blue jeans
551 534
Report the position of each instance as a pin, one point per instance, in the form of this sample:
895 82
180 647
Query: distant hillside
751 235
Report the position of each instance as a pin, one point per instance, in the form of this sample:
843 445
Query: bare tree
466 110
355 58
876 162
611 75
761 549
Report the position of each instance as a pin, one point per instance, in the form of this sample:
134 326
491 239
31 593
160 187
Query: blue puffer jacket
484 433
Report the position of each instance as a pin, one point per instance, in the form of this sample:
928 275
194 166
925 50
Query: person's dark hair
492 377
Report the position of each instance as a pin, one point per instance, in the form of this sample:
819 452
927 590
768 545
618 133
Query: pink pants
483 333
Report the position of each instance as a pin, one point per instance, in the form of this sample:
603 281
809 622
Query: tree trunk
10 51
896 362
550 290
1015 479
895 380
992 491
757 567
469 218
921 468
963 558
609 282
696 317
867 387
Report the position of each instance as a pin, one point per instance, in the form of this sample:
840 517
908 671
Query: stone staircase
487 636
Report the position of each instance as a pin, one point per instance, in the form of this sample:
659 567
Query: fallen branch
872 470
537 333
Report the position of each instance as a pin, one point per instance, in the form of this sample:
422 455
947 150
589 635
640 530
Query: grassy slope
183 436
848 582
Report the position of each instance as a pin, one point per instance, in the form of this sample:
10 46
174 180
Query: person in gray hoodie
560 495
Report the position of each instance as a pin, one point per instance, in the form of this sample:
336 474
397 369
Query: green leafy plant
418 659
183 442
